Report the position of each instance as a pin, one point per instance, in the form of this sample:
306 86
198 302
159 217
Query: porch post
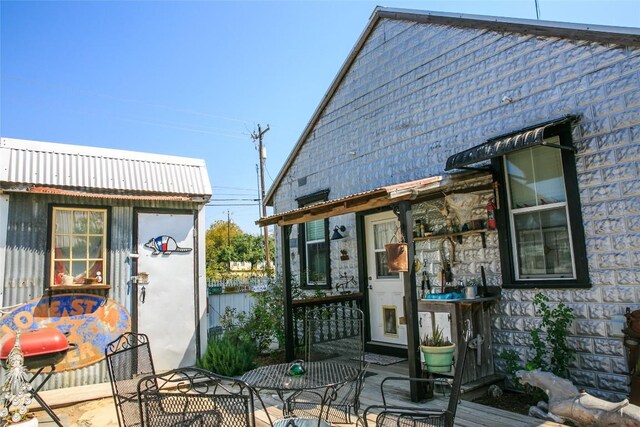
288 310
405 216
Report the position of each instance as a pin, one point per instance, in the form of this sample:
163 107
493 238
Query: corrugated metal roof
378 197
25 163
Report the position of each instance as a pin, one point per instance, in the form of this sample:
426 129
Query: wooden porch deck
469 414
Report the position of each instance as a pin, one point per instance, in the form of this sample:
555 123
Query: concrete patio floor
92 406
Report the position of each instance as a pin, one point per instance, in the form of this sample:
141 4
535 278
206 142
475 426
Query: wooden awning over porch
379 197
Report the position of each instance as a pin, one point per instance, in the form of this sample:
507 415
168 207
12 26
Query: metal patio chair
128 360
334 333
196 397
399 416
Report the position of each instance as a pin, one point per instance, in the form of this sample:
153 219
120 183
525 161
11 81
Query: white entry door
386 289
167 287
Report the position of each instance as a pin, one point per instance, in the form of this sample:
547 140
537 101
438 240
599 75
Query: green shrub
229 356
265 322
548 341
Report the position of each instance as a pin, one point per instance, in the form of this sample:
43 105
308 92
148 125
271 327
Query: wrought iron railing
300 308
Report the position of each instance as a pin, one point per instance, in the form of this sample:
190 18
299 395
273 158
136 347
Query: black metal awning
505 144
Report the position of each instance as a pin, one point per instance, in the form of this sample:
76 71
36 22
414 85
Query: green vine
549 342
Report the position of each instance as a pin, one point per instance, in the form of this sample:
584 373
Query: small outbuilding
96 242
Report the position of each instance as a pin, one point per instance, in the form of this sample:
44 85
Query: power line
231 204
83 92
233 200
233 188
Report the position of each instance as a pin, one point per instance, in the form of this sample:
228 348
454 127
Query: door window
382 234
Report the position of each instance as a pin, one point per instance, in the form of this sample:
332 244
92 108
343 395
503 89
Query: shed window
78 246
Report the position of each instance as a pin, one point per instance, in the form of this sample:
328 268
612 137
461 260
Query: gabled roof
45 167
624 36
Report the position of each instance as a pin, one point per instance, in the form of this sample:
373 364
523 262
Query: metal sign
90 322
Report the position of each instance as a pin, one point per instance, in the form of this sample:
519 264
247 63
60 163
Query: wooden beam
411 302
289 342
336 210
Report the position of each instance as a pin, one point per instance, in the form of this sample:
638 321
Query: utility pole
228 227
261 152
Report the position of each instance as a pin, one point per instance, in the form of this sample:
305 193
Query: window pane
382 266
521 179
96 223
316 262
547 163
60 268
383 233
95 247
95 267
542 242
63 222
79 247
314 230
79 222
78 269
62 249
535 177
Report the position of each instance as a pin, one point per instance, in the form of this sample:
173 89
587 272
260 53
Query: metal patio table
325 377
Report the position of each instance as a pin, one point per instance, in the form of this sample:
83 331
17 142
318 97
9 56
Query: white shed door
166 304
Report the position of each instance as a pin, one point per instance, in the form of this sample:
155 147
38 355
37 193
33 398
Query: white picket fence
234 293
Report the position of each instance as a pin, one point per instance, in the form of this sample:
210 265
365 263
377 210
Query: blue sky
195 78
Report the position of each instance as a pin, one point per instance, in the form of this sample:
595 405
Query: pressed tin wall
416 93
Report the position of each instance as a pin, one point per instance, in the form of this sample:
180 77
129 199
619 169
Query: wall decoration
165 245
390 319
90 322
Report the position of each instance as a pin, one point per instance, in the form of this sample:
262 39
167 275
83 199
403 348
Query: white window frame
512 212
309 281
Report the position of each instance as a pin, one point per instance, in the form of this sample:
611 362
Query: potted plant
16 393
437 351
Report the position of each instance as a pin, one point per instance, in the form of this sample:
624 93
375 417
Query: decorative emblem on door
165 245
